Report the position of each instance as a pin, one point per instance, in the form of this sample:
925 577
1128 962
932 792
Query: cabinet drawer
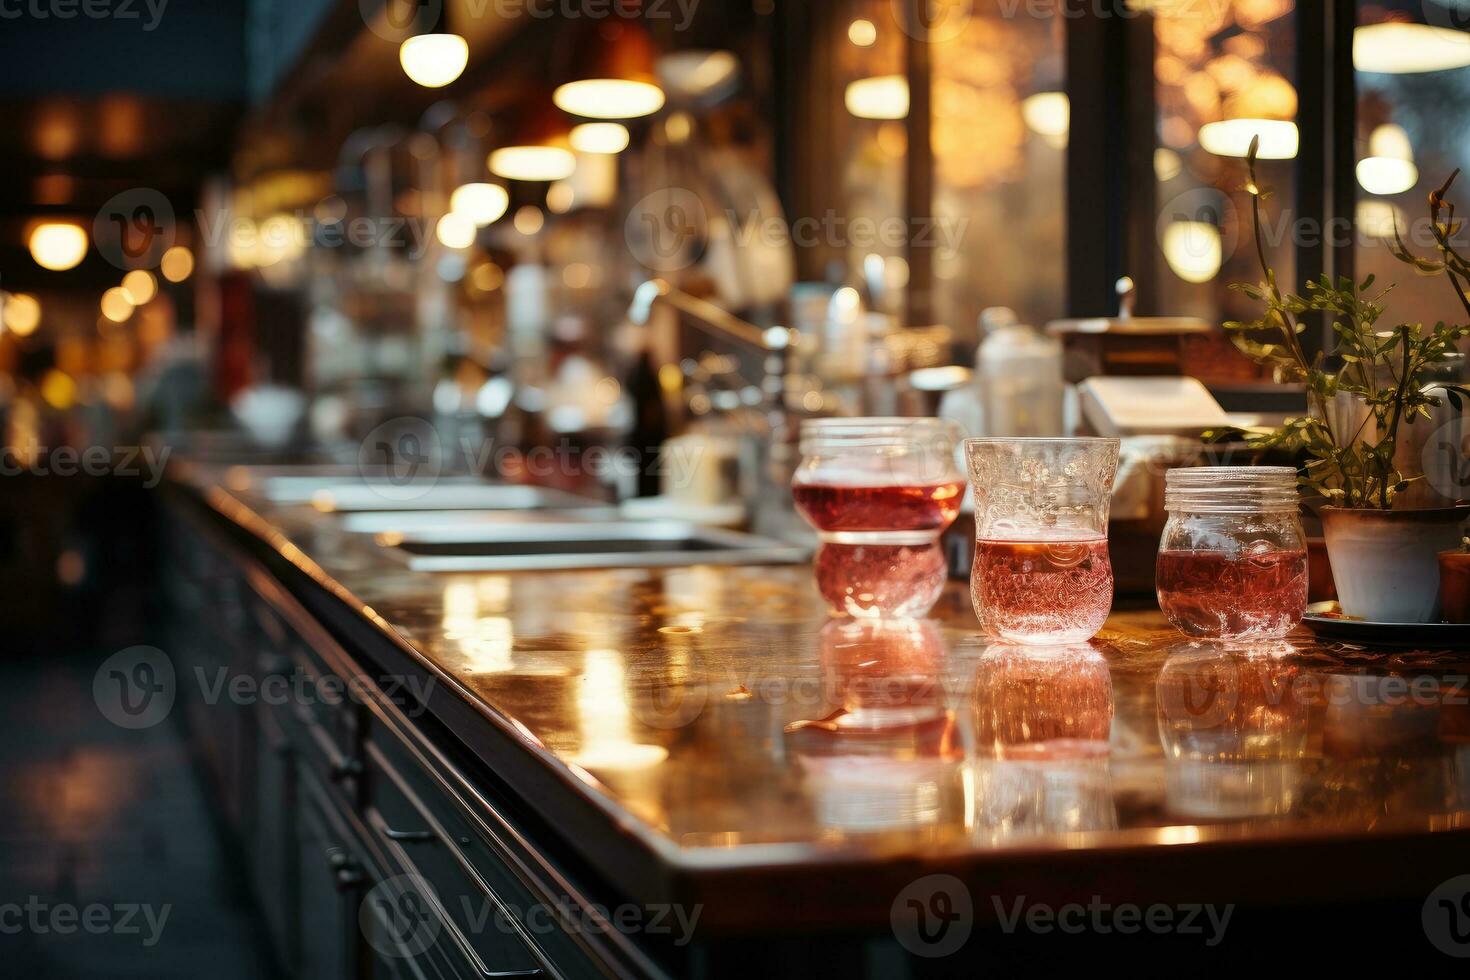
302 676
419 836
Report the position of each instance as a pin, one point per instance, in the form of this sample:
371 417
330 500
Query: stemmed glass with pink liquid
1041 573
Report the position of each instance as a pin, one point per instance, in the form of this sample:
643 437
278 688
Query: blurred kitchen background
451 234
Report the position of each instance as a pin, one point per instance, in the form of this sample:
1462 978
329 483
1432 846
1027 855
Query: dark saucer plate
1438 635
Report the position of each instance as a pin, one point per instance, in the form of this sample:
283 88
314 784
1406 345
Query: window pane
1413 107
1224 72
875 98
1000 120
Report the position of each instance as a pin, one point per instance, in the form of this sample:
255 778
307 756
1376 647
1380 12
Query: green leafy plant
1350 463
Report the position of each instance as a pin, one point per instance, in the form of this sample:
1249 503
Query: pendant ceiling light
433 56
878 97
599 137
1048 115
1232 138
1389 166
1399 47
611 73
482 203
537 147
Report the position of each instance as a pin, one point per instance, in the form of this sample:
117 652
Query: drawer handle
345 769
409 835
348 874
349 878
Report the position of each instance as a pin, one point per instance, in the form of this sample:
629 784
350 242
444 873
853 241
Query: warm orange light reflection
140 286
117 305
22 313
606 720
177 264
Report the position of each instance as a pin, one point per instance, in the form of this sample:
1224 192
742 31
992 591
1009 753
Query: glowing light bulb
1387 175
603 137
1232 138
59 390
455 230
481 203
1167 164
22 314
879 97
1193 250
1378 218
177 264
529 220
862 33
1390 140
532 163
116 304
1398 48
609 98
434 60
1048 115
58 246
140 286
560 197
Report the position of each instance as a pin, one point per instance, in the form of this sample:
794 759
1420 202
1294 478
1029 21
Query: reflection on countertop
724 709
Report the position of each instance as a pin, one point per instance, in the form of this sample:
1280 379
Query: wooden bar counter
707 740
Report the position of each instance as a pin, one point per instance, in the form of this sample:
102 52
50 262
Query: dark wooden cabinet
332 884
366 861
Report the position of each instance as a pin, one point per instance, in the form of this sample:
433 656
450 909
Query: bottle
650 421
1019 370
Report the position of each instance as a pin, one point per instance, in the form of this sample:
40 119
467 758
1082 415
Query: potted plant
1454 583
1361 396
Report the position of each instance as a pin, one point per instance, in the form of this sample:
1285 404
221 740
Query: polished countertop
719 717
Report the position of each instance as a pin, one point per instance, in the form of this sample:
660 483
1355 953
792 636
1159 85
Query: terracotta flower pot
1385 562
1454 586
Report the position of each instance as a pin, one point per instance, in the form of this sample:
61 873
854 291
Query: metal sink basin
285 487
445 493
506 547
408 521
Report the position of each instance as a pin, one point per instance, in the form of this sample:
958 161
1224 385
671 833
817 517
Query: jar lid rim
1211 475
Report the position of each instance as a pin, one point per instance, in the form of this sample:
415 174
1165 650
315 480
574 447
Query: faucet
773 455
774 343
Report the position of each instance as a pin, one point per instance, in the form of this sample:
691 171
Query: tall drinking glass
1041 573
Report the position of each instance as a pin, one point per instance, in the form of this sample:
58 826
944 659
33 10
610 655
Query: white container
1019 371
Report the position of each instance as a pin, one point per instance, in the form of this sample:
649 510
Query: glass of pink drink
879 492
1233 557
1041 573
